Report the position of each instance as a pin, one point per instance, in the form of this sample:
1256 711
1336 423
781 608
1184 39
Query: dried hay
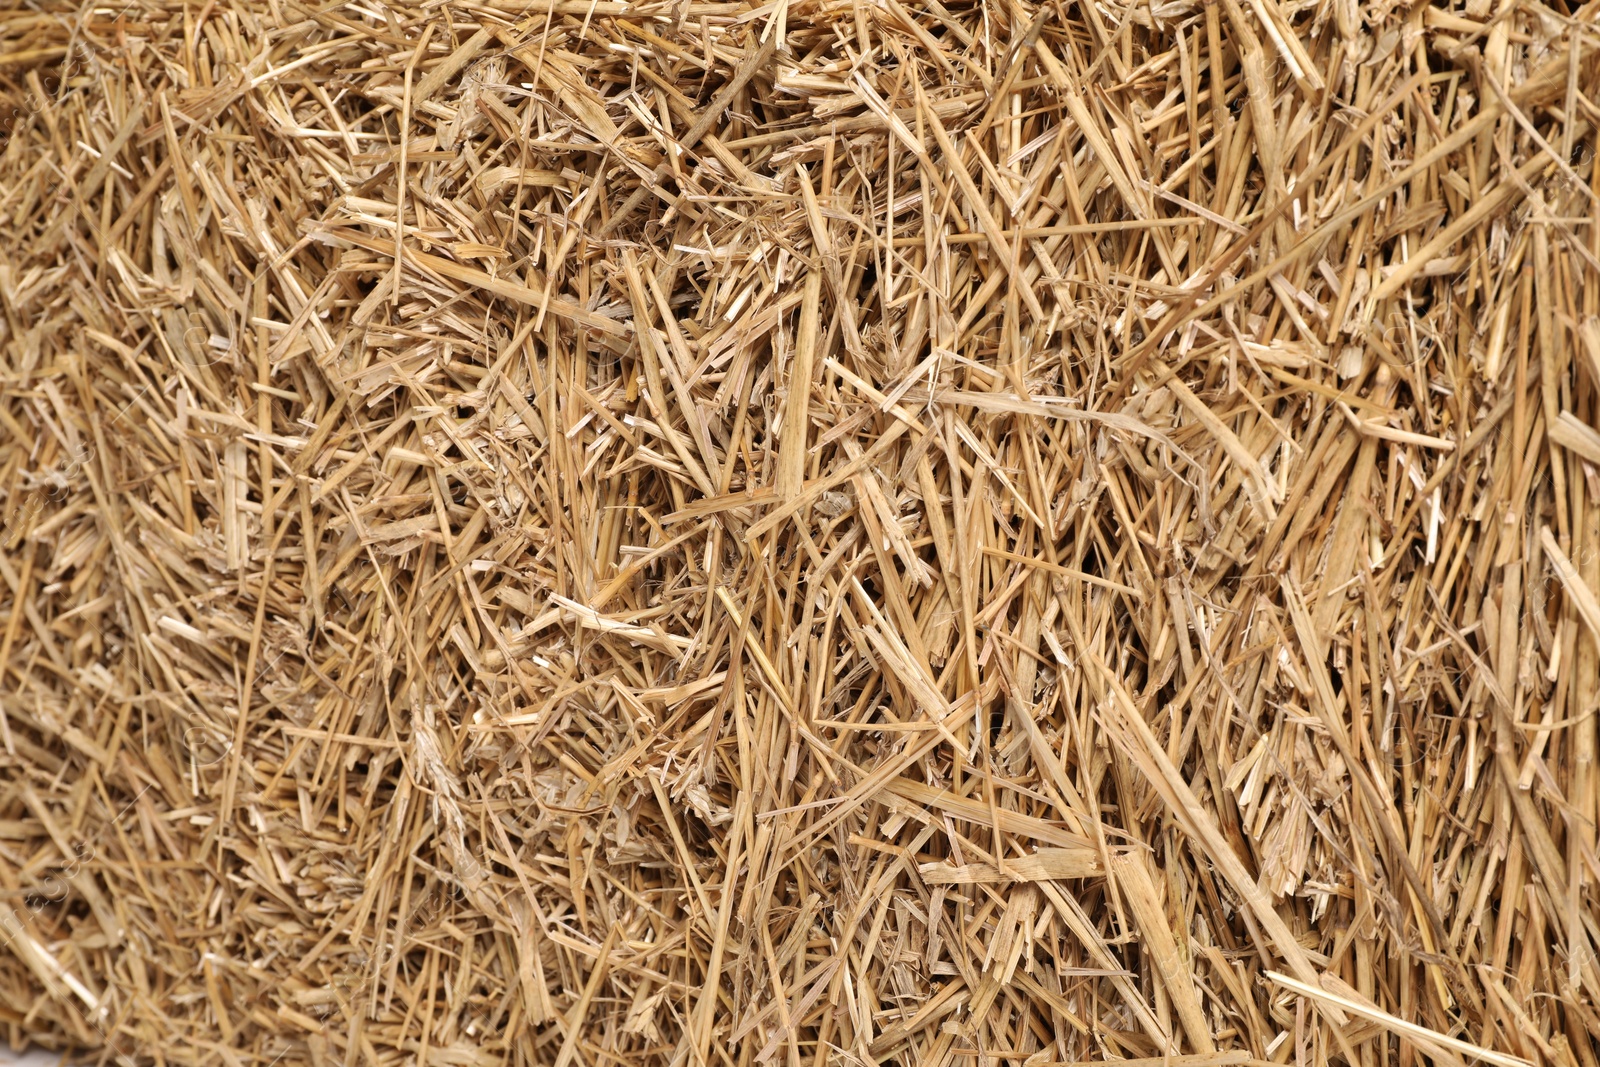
582 532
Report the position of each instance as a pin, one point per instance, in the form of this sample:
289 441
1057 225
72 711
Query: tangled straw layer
584 532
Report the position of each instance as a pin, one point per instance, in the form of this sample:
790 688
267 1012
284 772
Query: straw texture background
683 533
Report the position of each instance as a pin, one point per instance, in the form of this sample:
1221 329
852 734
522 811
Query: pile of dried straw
940 532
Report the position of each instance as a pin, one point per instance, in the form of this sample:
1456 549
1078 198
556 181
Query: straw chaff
686 533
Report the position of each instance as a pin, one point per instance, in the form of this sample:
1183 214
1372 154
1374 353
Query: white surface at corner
30 1058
